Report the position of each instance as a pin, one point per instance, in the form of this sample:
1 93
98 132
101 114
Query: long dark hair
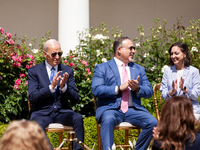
177 123
184 49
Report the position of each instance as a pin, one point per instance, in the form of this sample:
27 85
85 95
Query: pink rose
22 75
16 86
18 65
10 41
1 30
18 82
87 69
18 47
31 66
14 58
9 35
71 56
31 56
71 64
20 59
30 62
65 61
27 66
84 63
27 83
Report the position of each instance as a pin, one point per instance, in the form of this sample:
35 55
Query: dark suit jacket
41 99
106 77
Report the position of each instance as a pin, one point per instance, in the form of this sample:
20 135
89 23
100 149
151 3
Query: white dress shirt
48 67
120 67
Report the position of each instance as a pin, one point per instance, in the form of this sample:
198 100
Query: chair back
157 94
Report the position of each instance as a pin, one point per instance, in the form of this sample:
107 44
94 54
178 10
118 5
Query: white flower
159 27
113 146
142 34
104 60
34 50
30 45
100 37
98 52
194 49
137 44
153 68
164 67
146 54
166 52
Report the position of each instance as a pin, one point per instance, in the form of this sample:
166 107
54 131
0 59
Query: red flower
87 69
26 82
27 66
16 86
71 56
9 35
65 61
22 75
84 63
18 82
71 64
1 30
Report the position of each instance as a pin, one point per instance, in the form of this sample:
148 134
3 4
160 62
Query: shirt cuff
64 88
116 90
51 89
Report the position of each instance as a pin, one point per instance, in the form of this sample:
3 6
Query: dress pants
140 118
69 118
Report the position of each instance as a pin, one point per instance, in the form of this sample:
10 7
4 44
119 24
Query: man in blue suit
110 89
50 86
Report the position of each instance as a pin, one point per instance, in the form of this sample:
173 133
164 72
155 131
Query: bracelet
137 90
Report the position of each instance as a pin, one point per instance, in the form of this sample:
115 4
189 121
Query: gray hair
48 43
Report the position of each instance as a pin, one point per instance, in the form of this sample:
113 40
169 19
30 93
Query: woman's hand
155 132
174 88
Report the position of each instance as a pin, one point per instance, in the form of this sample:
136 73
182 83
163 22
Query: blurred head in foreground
24 135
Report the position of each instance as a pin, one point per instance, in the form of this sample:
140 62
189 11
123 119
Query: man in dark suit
119 85
50 86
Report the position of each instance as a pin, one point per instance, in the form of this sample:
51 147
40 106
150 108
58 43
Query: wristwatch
119 89
138 89
184 88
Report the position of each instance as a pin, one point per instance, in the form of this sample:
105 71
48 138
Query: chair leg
126 138
60 137
99 137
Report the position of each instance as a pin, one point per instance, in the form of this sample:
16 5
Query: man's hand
64 79
124 86
55 80
134 84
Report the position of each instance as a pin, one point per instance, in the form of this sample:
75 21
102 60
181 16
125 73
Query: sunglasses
130 48
55 53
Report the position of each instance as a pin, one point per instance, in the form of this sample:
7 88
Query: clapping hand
134 84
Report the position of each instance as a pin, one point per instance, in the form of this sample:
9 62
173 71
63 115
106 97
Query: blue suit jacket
191 81
40 96
106 77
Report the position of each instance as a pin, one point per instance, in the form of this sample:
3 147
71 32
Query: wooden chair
56 127
156 91
122 126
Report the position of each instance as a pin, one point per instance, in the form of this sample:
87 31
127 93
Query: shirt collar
49 66
118 62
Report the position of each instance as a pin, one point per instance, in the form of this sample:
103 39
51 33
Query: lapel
185 72
133 70
44 73
174 73
114 68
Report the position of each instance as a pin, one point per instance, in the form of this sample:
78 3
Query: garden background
95 46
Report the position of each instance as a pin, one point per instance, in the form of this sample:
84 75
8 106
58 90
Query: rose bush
14 64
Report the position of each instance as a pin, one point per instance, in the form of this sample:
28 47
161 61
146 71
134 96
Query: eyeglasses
130 48
55 53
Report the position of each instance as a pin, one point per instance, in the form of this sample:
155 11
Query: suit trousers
140 118
69 118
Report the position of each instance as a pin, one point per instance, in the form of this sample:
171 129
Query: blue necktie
51 79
